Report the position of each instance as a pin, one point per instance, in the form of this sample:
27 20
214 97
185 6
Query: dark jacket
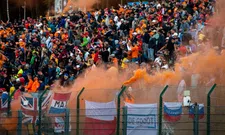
146 38
152 43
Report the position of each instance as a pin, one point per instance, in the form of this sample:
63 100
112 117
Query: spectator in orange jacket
128 97
135 52
30 83
35 85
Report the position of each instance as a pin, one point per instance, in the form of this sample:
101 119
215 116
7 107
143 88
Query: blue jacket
41 87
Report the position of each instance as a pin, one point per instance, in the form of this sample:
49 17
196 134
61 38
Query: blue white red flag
200 111
59 103
30 107
172 111
3 104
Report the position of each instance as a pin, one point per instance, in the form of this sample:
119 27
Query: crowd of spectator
37 52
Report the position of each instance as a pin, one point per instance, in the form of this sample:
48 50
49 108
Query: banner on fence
172 111
4 104
200 111
60 125
141 119
100 118
59 103
30 107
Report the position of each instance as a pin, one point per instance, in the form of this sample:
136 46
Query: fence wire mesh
20 122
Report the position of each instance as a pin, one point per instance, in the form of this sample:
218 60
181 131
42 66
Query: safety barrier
194 119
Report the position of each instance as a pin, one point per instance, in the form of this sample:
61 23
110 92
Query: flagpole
25 4
7 6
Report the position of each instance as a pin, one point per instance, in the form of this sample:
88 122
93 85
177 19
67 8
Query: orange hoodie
135 51
2 59
29 85
35 86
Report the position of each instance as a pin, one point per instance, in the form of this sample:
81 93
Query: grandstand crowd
34 53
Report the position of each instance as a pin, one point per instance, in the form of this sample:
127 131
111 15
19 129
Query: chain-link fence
217 111
155 110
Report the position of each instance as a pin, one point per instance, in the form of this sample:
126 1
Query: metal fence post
160 109
118 111
19 126
125 120
78 110
39 111
9 102
67 122
209 108
196 118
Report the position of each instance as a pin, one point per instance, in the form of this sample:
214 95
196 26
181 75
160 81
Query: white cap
130 89
18 80
158 5
78 66
112 55
165 67
175 34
